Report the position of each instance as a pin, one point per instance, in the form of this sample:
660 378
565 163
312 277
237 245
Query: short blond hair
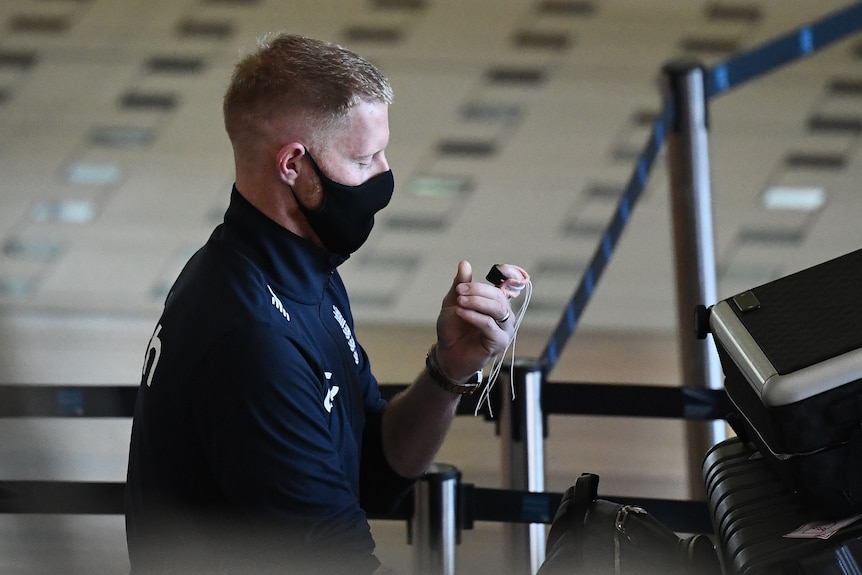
300 80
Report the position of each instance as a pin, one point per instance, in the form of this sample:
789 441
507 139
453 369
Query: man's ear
288 162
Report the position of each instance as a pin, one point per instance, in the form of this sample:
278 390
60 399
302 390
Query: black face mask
345 219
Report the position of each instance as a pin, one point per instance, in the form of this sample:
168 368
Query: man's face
350 180
356 151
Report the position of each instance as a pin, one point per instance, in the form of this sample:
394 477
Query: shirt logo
277 304
330 395
348 335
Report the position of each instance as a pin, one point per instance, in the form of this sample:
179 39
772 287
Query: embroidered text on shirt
348 335
277 303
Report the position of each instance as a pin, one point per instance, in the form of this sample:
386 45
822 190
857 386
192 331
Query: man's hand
415 421
469 333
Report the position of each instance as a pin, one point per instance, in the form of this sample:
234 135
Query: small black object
701 321
495 276
746 301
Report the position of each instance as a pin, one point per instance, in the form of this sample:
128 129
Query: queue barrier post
522 433
434 524
694 250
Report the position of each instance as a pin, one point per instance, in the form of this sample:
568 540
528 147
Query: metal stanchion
522 431
694 250
434 524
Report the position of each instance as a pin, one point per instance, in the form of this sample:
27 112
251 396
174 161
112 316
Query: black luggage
791 351
593 536
753 511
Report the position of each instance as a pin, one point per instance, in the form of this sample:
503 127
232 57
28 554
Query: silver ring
504 318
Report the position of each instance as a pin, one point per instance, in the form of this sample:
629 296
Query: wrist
432 367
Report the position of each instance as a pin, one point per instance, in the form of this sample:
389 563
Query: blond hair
307 83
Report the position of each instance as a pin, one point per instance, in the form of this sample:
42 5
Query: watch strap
441 379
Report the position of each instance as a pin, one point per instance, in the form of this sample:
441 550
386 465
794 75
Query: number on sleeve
154 350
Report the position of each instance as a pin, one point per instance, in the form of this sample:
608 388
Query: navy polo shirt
256 436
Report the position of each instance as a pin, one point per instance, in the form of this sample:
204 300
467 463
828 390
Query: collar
300 267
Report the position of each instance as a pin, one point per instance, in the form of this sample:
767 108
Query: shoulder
259 358
220 288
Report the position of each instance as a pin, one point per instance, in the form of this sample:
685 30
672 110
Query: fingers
478 303
484 306
475 323
509 278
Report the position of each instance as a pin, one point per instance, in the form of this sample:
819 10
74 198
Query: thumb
464 274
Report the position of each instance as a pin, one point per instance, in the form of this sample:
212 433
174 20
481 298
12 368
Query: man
260 438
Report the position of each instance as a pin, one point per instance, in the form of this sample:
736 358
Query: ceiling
515 128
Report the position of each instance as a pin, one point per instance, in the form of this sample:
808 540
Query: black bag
592 536
791 351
